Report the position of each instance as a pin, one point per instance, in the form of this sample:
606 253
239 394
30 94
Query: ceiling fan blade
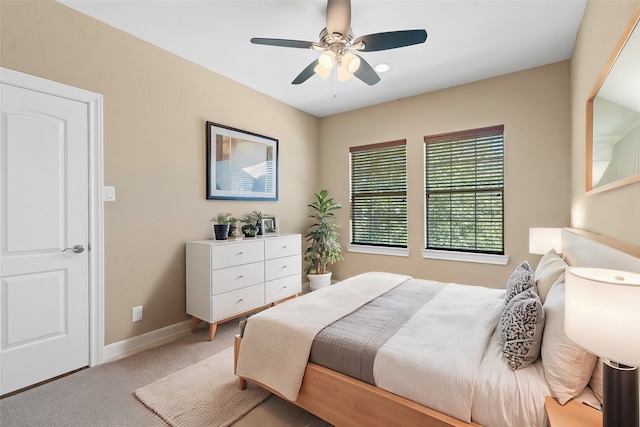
366 73
305 74
339 17
391 40
282 43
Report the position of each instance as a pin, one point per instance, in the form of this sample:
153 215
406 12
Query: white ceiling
467 41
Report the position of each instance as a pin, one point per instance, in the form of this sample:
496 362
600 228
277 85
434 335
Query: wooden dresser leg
242 384
212 331
194 323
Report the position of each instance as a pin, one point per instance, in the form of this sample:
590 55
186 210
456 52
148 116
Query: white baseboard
124 348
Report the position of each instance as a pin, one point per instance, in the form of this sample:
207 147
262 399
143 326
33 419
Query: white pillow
567 366
597 380
550 268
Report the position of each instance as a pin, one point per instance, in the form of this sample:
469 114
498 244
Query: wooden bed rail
345 401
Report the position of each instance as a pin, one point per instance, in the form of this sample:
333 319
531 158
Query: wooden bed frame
344 401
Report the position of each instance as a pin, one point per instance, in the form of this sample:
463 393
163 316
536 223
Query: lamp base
620 406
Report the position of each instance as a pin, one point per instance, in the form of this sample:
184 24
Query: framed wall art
241 165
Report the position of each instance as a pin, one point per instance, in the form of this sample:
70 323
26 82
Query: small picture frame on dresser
269 226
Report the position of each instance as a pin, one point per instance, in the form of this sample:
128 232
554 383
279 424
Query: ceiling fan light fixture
343 73
351 62
322 72
327 59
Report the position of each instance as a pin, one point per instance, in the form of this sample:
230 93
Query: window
379 194
464 191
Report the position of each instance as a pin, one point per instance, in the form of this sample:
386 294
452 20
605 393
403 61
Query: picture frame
269 226
241 165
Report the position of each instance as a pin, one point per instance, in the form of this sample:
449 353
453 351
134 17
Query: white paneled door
44 233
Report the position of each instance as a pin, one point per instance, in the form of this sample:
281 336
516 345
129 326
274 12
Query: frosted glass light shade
326 59
602 312
351 62
322 72
541 240
343 74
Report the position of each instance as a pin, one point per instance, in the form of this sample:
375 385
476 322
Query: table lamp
602 315
541 240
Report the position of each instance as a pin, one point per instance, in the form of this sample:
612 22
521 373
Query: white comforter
277 356
434 358
446 357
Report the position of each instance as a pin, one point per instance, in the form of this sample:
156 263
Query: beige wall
155 108
533 105
614 213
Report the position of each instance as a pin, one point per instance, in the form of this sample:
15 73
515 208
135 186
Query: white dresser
231 278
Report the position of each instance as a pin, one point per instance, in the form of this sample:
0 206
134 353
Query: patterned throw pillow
520 328
520 280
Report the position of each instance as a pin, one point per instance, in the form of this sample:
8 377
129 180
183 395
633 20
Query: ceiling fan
337 43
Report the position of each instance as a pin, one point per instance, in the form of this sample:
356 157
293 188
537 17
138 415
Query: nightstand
573 414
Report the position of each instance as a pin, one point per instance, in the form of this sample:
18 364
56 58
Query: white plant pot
317 281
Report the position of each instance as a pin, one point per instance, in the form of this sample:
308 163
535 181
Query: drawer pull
284 247
240 300
241 253
284 266
240 276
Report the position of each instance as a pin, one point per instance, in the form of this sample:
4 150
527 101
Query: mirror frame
633 24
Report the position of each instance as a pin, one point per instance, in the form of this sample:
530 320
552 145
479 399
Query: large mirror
613 118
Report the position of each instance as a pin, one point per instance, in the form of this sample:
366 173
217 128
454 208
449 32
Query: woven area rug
203 394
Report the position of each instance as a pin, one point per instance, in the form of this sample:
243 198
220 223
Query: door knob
76 249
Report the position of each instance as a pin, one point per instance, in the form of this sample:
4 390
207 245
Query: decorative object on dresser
222 223
323 247
241 165
252 222
229 279
601 315
269 225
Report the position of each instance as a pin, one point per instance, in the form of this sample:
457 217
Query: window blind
464 191
379 194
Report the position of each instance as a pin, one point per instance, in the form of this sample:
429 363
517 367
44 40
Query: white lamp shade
351 62
343 73
322 72
602 312
541 240
326 59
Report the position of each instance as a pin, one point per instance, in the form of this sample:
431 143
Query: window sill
378 250
465 257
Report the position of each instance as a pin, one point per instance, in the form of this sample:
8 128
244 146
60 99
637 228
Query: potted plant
221 225
322 238
251 220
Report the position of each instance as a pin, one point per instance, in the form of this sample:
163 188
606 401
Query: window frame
476 254
369 247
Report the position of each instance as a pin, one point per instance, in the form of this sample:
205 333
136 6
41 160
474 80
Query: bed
465 385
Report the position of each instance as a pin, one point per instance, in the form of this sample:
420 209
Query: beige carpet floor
103 396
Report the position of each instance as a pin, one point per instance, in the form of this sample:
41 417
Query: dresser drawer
232 303
230 254
282 267
282 288
232 278
281 246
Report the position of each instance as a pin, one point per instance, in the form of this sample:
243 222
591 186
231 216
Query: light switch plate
109 193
